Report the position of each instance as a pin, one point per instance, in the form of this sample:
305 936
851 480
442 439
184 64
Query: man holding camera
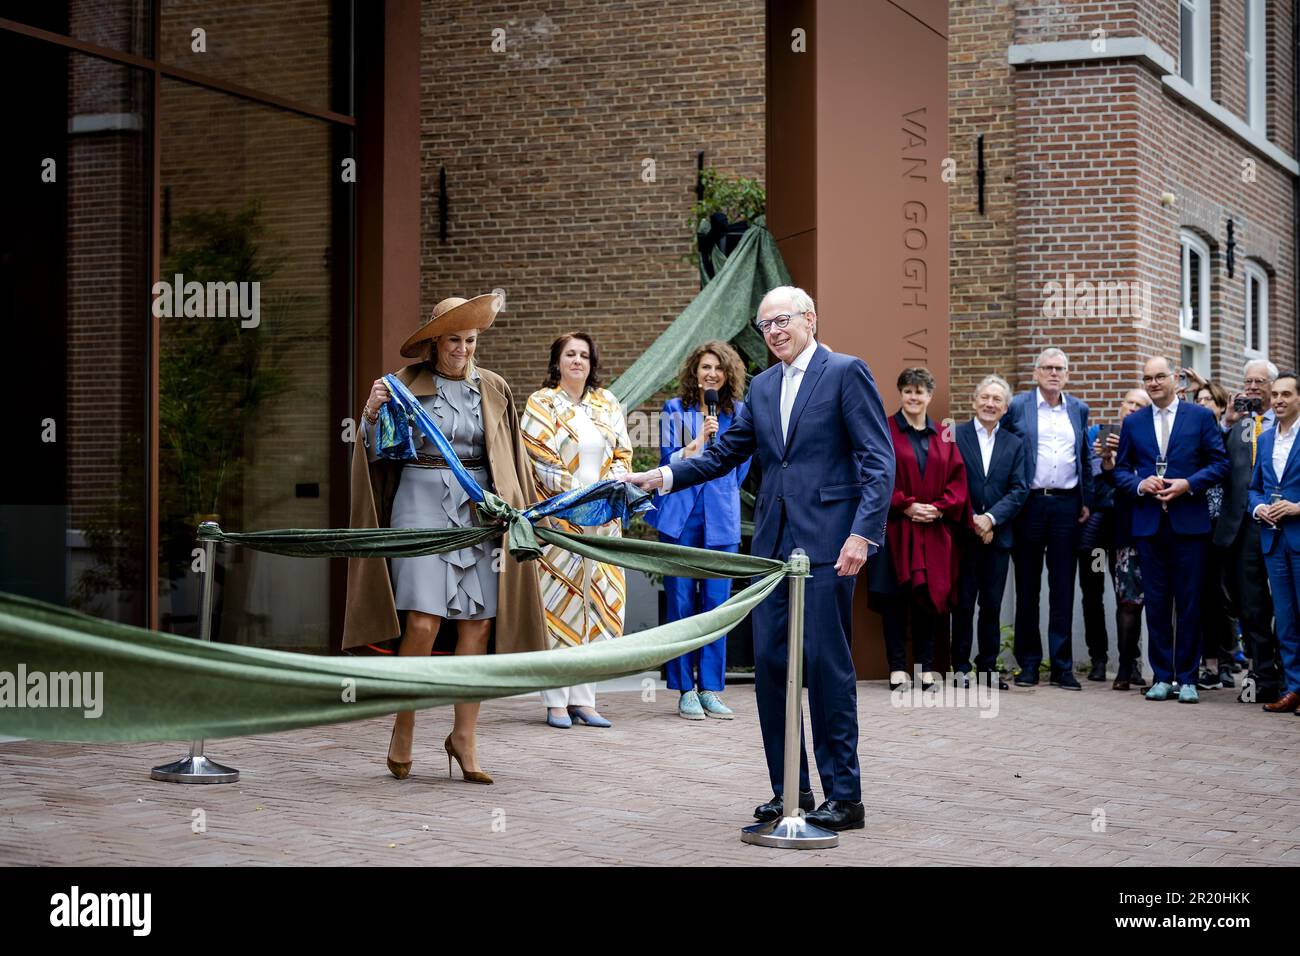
1247 578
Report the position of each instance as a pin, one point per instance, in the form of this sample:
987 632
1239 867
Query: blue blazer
1264 481
1002 492
833 478
1022 419
1195 453
720 498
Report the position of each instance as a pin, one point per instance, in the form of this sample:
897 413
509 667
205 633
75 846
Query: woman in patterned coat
575 434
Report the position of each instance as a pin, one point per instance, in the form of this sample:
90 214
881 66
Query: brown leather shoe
1285 704
1120 684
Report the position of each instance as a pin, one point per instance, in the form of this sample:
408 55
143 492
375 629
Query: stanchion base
194 770
790 833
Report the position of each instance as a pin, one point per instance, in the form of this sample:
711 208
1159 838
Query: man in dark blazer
1275 502
1171 519
1238 536
995 476
816 426
1058 468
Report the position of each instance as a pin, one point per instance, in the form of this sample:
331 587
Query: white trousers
579 695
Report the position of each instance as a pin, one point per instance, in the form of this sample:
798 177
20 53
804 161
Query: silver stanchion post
197 768
792 831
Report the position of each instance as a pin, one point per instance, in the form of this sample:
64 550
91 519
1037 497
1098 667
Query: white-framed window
1256 311
1194 43
1194 307
1256 60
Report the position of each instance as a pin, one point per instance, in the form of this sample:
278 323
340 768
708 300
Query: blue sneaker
714 707
1188 695
1160 690
688 708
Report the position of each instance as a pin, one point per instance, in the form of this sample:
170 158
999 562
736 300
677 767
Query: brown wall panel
791 120
882 214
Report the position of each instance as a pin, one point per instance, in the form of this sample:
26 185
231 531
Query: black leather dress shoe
1026 679
773 809
839 815
1066 681
1098 671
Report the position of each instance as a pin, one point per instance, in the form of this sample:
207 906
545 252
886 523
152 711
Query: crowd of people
1189 499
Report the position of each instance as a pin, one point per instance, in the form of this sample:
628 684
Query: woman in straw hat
474 586
576 435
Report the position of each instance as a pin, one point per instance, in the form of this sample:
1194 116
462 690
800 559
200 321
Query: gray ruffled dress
461 585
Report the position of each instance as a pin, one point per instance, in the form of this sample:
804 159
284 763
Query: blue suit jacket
1195 453
833 478
1264 482
1002 492
1022 419
678 426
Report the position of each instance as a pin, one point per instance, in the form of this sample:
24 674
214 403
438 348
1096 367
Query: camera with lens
1251 406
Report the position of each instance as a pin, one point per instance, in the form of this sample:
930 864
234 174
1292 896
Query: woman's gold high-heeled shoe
471 776
399 770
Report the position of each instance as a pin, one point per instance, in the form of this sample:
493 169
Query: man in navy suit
995 475
1275 503
816 426
1058 467
1171 520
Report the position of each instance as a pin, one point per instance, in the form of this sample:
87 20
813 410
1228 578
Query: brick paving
1212 784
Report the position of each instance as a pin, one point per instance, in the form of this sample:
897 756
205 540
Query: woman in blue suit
703 516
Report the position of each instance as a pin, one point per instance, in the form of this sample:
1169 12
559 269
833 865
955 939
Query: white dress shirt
987 440
1057 466
1281 451
1171 410
792 375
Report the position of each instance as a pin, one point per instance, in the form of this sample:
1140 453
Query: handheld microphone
711 405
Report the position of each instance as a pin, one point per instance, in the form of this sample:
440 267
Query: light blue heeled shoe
1160 690
591 720
714 707
562 723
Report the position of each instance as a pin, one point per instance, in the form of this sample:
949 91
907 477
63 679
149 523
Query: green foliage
738 198
214 375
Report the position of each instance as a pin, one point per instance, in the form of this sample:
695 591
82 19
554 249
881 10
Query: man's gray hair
1051 353
1269 366
997 380
800 300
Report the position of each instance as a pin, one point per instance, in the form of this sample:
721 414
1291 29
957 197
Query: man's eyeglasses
1149 379
1257 381
1052 369
780 322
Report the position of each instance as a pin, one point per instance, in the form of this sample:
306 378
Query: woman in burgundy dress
915 575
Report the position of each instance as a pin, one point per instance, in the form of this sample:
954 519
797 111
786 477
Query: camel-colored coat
371 615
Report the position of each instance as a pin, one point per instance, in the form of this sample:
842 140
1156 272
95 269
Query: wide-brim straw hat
454 314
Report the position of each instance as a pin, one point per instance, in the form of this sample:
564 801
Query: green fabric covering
723 309
163 687
650 556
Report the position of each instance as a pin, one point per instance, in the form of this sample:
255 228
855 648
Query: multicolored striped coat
584 599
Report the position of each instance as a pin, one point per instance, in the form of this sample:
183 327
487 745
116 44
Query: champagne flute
1273 499
1162 465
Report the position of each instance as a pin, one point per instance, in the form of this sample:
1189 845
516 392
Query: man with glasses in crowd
1170 453
1058 466
1238 535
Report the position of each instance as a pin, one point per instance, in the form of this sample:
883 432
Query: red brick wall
1091 148
543 146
